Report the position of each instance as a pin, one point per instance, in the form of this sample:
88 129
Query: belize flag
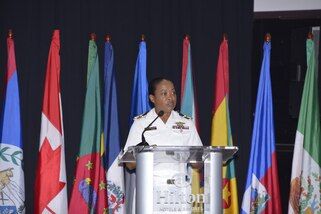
115 172
262 194
11 155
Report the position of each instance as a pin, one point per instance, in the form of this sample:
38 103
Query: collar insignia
141 115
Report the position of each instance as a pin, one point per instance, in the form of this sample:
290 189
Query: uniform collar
154 115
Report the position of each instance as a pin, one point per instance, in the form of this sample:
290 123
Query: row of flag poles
98 185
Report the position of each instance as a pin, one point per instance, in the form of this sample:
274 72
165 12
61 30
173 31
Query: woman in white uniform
171 129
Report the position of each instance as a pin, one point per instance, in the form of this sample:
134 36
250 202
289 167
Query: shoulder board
141 115
185 116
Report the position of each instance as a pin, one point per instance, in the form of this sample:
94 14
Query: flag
51 186
262 193
188 93
140 101
139 105
115 172
89 189
221 128
306 172
12 191
189 107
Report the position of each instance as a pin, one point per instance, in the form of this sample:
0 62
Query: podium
146 157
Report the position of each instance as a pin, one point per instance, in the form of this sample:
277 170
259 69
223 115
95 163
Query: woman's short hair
153 84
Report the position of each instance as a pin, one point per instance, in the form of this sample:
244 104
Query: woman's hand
131 166
197 166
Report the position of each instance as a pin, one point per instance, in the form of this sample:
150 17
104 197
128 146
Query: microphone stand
144 143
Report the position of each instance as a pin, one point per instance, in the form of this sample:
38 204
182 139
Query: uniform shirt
179 130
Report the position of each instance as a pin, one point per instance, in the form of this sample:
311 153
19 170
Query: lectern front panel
166 180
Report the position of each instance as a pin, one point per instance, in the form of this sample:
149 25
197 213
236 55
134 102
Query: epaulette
141 115
185 116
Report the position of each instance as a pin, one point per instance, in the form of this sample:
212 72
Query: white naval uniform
179 130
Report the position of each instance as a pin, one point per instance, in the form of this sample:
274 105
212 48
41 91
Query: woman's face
164 97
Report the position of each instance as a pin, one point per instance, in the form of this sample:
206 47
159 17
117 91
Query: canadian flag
50 186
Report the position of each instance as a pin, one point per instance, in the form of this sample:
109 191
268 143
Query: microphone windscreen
160 113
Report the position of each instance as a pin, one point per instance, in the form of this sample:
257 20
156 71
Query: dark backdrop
164 23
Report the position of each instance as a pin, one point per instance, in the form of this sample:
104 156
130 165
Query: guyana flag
221 128
305 188
89 188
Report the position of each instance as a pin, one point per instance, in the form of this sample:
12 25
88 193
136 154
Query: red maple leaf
47 181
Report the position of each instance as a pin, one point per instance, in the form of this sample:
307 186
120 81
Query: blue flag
262 194
115 173
139 105
140 101
12 193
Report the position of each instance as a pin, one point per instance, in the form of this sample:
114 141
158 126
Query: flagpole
10 34
224 36
267 37
115 172
108 38
93 36
306 170
139 105
12 184
262 192
90 171
310 35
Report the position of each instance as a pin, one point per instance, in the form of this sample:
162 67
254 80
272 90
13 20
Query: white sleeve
135 133
195 139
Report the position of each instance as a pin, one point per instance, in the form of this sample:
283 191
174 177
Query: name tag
151 128
180 127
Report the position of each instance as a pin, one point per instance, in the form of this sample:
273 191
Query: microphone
144 143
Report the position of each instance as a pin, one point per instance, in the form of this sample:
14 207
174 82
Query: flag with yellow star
221 128
89 187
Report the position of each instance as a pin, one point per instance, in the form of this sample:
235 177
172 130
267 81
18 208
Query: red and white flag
51 186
